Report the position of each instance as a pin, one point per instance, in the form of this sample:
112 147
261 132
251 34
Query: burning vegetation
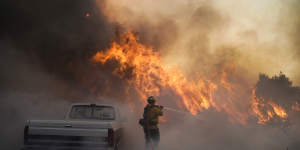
145 72
200 57
150 76
274 98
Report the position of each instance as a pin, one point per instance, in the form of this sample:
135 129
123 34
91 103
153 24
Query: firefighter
150 122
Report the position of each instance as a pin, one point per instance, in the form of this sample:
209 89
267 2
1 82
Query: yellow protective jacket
151 114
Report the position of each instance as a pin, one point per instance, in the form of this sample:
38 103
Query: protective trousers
152 137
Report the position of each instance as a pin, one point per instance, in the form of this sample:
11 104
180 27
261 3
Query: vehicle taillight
110 137
26 134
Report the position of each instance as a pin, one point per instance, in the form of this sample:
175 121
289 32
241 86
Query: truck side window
80 112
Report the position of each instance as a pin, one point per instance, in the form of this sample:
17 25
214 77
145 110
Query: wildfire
142 68
150 76
266 110
279 111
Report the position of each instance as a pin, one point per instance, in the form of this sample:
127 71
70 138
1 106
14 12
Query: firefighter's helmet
151 99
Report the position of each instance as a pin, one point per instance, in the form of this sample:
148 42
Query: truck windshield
92 112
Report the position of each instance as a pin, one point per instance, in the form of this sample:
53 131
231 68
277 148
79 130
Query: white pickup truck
86 126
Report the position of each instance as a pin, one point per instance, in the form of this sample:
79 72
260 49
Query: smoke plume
47 46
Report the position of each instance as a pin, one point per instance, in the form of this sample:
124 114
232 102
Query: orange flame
149 76
266 110
279 111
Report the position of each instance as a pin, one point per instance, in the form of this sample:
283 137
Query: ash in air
218 62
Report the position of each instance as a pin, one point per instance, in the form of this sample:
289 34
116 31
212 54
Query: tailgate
67 131
65 136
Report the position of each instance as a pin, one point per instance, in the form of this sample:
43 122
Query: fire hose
182 112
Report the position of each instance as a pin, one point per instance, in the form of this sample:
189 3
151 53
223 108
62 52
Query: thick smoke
46 48
290 26
204 34
58 36
42 44
26 91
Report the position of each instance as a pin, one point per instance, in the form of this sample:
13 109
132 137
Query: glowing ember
87 14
